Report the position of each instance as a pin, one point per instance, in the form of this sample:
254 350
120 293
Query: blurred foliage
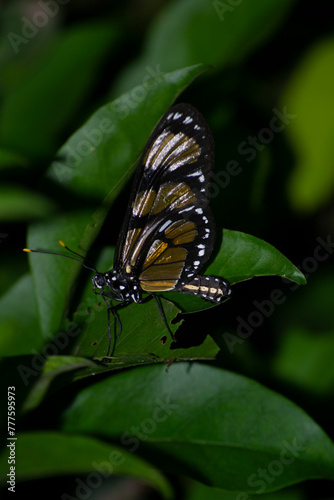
310 96
250 407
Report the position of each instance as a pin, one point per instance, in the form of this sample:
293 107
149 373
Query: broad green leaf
20 204
198 491
207 423
20 331
140 340
101 173
53 277
46 454
35 111
309 95
142 330
57 370
24 372
189 32
241 257
99 158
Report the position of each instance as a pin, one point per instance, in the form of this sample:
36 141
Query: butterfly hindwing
168 232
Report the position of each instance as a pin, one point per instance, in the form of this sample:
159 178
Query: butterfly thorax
123 288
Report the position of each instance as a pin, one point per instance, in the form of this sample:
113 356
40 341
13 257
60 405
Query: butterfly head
99 281
121 288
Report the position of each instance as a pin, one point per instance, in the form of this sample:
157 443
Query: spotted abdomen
208 287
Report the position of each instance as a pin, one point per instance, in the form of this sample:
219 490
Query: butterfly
168 231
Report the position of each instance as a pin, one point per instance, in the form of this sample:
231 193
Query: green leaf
121 132
140 336
20 332
57 370
189 32
100 174
37 108
20 204
243 256
47 454
99 158
140 341
309 96
53 277
198 491
207 423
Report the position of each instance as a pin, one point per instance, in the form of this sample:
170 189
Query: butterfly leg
109 332
112 310
162 312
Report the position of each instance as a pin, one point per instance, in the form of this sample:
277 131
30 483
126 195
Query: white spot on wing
195 174
186 209
163 227
154 149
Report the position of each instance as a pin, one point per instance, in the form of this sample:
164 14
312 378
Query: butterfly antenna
82 262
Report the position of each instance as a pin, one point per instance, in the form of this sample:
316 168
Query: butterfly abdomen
208 287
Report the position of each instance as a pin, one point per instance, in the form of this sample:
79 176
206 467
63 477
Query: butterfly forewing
168 233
